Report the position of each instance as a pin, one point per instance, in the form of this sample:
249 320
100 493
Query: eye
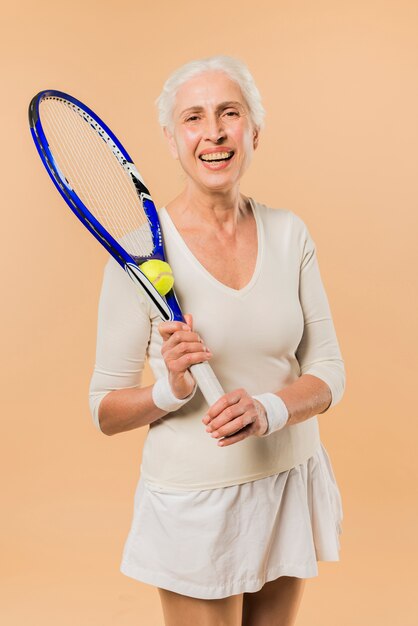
231 113
192 118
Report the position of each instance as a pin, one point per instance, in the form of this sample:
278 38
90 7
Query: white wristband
277 413
164 398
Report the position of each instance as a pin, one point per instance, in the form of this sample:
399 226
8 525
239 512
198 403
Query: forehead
207 89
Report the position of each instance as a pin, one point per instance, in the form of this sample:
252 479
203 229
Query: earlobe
171 143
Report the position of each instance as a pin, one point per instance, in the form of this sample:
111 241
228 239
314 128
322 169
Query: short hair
235 69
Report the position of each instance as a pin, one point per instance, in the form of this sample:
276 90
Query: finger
182 348
189 320
247 431
183 363
235 425
166 329
227 421
224 402
180 337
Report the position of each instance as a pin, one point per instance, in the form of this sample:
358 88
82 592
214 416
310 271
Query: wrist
277 413
164 398
181 387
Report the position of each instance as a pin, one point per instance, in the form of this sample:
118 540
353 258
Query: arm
117 402
306 397
123 332
322 380
318 353
125 409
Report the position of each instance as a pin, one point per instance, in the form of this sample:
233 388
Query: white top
263 337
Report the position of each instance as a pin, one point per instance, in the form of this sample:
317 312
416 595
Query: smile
217 156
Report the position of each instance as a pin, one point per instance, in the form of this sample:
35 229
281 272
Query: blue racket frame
168 306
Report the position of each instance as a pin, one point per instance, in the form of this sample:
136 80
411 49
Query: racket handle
208 383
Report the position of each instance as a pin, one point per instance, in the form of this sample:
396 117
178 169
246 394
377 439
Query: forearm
126 409
306 397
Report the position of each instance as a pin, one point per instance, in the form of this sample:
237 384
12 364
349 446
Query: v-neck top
169 226
263 337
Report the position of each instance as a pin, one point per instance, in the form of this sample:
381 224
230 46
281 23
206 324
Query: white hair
235 69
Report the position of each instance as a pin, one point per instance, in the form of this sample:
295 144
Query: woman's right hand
181 348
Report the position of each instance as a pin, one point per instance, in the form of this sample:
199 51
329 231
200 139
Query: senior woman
236 502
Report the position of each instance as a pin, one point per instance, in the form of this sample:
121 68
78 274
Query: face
213 136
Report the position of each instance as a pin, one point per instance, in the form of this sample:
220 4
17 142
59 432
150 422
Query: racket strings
99 192
98 196
88 159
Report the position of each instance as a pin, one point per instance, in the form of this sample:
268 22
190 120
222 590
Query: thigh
180 610
276 604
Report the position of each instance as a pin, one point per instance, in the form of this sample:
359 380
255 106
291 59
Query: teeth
215 156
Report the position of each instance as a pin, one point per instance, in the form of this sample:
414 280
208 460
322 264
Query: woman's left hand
236 412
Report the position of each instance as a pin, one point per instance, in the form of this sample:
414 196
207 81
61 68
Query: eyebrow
222 105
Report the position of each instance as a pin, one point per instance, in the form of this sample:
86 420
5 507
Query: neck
217 210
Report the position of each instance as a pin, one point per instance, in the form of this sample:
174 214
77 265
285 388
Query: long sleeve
123 333
318 352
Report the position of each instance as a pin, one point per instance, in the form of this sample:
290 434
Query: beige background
339 82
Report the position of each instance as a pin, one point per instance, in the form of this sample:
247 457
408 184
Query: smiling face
213 136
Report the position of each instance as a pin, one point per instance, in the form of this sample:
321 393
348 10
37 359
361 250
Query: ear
256 135
171 143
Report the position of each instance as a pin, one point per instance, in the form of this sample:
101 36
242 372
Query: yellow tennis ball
160 274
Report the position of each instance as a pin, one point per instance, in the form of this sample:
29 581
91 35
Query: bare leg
182 610
276 604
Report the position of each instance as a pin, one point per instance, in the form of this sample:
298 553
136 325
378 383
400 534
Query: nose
214 129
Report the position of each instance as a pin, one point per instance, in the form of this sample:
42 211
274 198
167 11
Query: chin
219 186
218 181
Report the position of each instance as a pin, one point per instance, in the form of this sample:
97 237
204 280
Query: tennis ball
160 274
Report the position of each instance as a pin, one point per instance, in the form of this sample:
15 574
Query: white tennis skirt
221 542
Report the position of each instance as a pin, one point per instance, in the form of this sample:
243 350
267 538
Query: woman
236 502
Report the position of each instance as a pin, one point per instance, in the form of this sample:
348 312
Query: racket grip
208 383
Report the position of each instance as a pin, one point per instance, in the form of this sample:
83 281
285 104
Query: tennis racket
100 183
